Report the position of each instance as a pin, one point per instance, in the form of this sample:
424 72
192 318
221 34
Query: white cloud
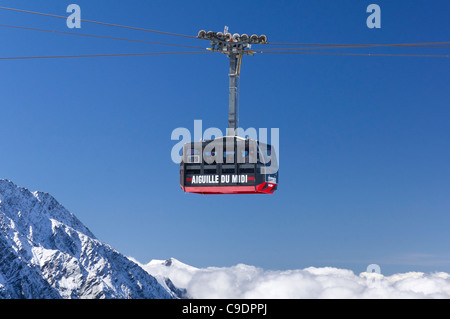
243 281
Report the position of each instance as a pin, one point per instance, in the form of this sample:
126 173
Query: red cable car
229 165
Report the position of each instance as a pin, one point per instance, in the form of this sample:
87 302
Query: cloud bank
246 282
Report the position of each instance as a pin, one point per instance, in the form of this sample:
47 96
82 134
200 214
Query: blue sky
364 141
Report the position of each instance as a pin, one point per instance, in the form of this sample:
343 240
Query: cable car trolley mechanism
230 164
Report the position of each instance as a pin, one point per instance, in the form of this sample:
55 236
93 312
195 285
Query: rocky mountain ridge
47 253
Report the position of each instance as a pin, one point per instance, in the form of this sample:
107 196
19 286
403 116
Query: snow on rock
46 252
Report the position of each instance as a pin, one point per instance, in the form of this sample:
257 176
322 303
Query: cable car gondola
229 165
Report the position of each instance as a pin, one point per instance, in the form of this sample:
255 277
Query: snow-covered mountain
46 252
